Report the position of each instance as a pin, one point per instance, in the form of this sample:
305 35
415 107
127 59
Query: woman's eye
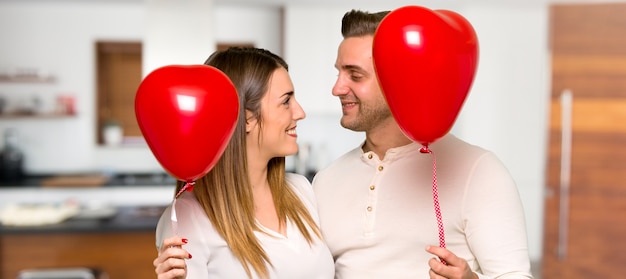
286 101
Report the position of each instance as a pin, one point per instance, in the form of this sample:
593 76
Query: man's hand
454 267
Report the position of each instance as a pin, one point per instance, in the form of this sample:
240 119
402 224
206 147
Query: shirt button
372 187
380 168
369 208
370 156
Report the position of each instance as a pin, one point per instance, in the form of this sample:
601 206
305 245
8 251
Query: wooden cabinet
122 245
122 255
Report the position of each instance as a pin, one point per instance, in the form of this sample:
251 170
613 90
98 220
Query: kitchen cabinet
123 247
120 254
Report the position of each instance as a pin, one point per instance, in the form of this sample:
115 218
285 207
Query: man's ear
251 121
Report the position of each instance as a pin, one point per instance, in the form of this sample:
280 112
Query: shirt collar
392 154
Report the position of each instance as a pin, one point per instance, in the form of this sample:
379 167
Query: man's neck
384 137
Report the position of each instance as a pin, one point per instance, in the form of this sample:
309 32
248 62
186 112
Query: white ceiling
357 3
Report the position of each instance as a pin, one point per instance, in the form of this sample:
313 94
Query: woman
247 218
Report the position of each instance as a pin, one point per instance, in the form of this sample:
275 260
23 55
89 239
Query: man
376 201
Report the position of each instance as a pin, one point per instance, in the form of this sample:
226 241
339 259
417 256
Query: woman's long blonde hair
225 192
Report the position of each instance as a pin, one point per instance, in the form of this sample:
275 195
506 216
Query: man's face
362 102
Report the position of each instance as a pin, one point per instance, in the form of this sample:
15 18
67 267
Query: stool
62 273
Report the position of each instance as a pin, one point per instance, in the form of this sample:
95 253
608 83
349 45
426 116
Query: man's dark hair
357 23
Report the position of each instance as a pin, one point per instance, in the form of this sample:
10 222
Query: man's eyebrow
351 67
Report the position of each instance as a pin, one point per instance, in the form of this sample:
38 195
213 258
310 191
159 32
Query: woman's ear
251 121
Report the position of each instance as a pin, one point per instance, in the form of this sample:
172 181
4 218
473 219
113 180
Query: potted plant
112 132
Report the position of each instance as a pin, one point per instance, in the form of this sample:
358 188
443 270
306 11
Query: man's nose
340 88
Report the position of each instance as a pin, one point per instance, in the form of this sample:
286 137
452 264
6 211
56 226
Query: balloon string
187 187
442 239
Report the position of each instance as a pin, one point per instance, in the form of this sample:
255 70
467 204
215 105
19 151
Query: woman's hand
170 264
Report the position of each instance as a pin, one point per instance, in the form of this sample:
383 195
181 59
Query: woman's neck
264 207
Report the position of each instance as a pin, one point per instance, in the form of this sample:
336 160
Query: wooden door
585 210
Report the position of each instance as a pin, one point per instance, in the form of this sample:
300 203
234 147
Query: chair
62 273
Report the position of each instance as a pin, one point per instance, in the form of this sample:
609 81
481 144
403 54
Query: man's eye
356 77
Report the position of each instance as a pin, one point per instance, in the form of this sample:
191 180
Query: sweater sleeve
496 229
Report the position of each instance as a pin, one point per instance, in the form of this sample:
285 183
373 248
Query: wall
59 38
255 24
505 111
176 32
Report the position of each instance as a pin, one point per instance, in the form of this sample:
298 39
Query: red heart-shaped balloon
187 114
425 61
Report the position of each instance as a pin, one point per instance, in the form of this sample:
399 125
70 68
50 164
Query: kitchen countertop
120 179
118 196
128 218
136 199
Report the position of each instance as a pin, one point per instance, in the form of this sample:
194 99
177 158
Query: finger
173 252
436 266
171 247
174 273
452 267
441 266
444 254
171 263
173 241
170 266
169 259
433 275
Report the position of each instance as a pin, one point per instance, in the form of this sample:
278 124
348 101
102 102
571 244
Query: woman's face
279 112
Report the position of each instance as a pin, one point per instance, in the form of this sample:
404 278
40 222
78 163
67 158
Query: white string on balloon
187 187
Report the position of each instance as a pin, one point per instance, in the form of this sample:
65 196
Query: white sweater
291 256
378 216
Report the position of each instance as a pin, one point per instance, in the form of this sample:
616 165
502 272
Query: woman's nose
298 113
